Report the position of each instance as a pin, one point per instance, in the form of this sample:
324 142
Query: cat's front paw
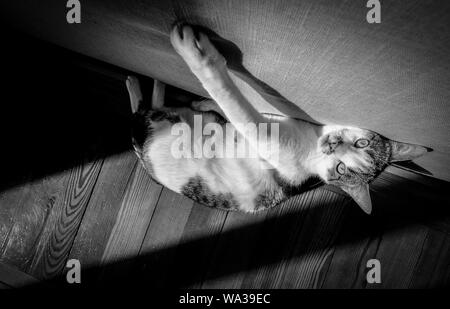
196 49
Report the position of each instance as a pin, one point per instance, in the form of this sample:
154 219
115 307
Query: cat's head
351 158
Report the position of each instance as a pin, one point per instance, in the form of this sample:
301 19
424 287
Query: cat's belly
227 183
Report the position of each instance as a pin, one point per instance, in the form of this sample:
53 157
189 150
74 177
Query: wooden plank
433 267
346 268
234 250
403 208
396 243
12 277
64 220
23 213
415 202
177 246
307 225
315 240
264 250
129 230
196 246
163 235
273 241
9 204
398 252
103 209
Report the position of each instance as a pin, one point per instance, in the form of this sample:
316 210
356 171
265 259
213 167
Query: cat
346 157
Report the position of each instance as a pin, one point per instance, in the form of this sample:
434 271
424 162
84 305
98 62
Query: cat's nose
333 145
329 148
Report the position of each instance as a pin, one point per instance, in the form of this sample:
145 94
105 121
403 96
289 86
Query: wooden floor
99 206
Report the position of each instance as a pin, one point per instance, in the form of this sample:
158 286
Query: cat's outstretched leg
209 66
134 92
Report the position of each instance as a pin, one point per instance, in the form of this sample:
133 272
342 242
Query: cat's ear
404 151
361 195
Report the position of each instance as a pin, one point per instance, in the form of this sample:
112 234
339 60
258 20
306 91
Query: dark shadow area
56 114
61 109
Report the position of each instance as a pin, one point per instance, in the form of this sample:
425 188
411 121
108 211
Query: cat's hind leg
136 98
207 105
159 90
134 92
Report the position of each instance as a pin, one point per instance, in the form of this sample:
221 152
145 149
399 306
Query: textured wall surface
321 56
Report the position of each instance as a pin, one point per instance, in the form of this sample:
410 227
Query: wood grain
135 214
23 213
163 235
411 201
127 235
433 267
298 255
234 249
64 220
398 252
102 211
193 257
346 268
11 277
315 242
24 210
264 251
395 240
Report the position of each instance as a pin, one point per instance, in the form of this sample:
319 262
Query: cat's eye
361 143
340 168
